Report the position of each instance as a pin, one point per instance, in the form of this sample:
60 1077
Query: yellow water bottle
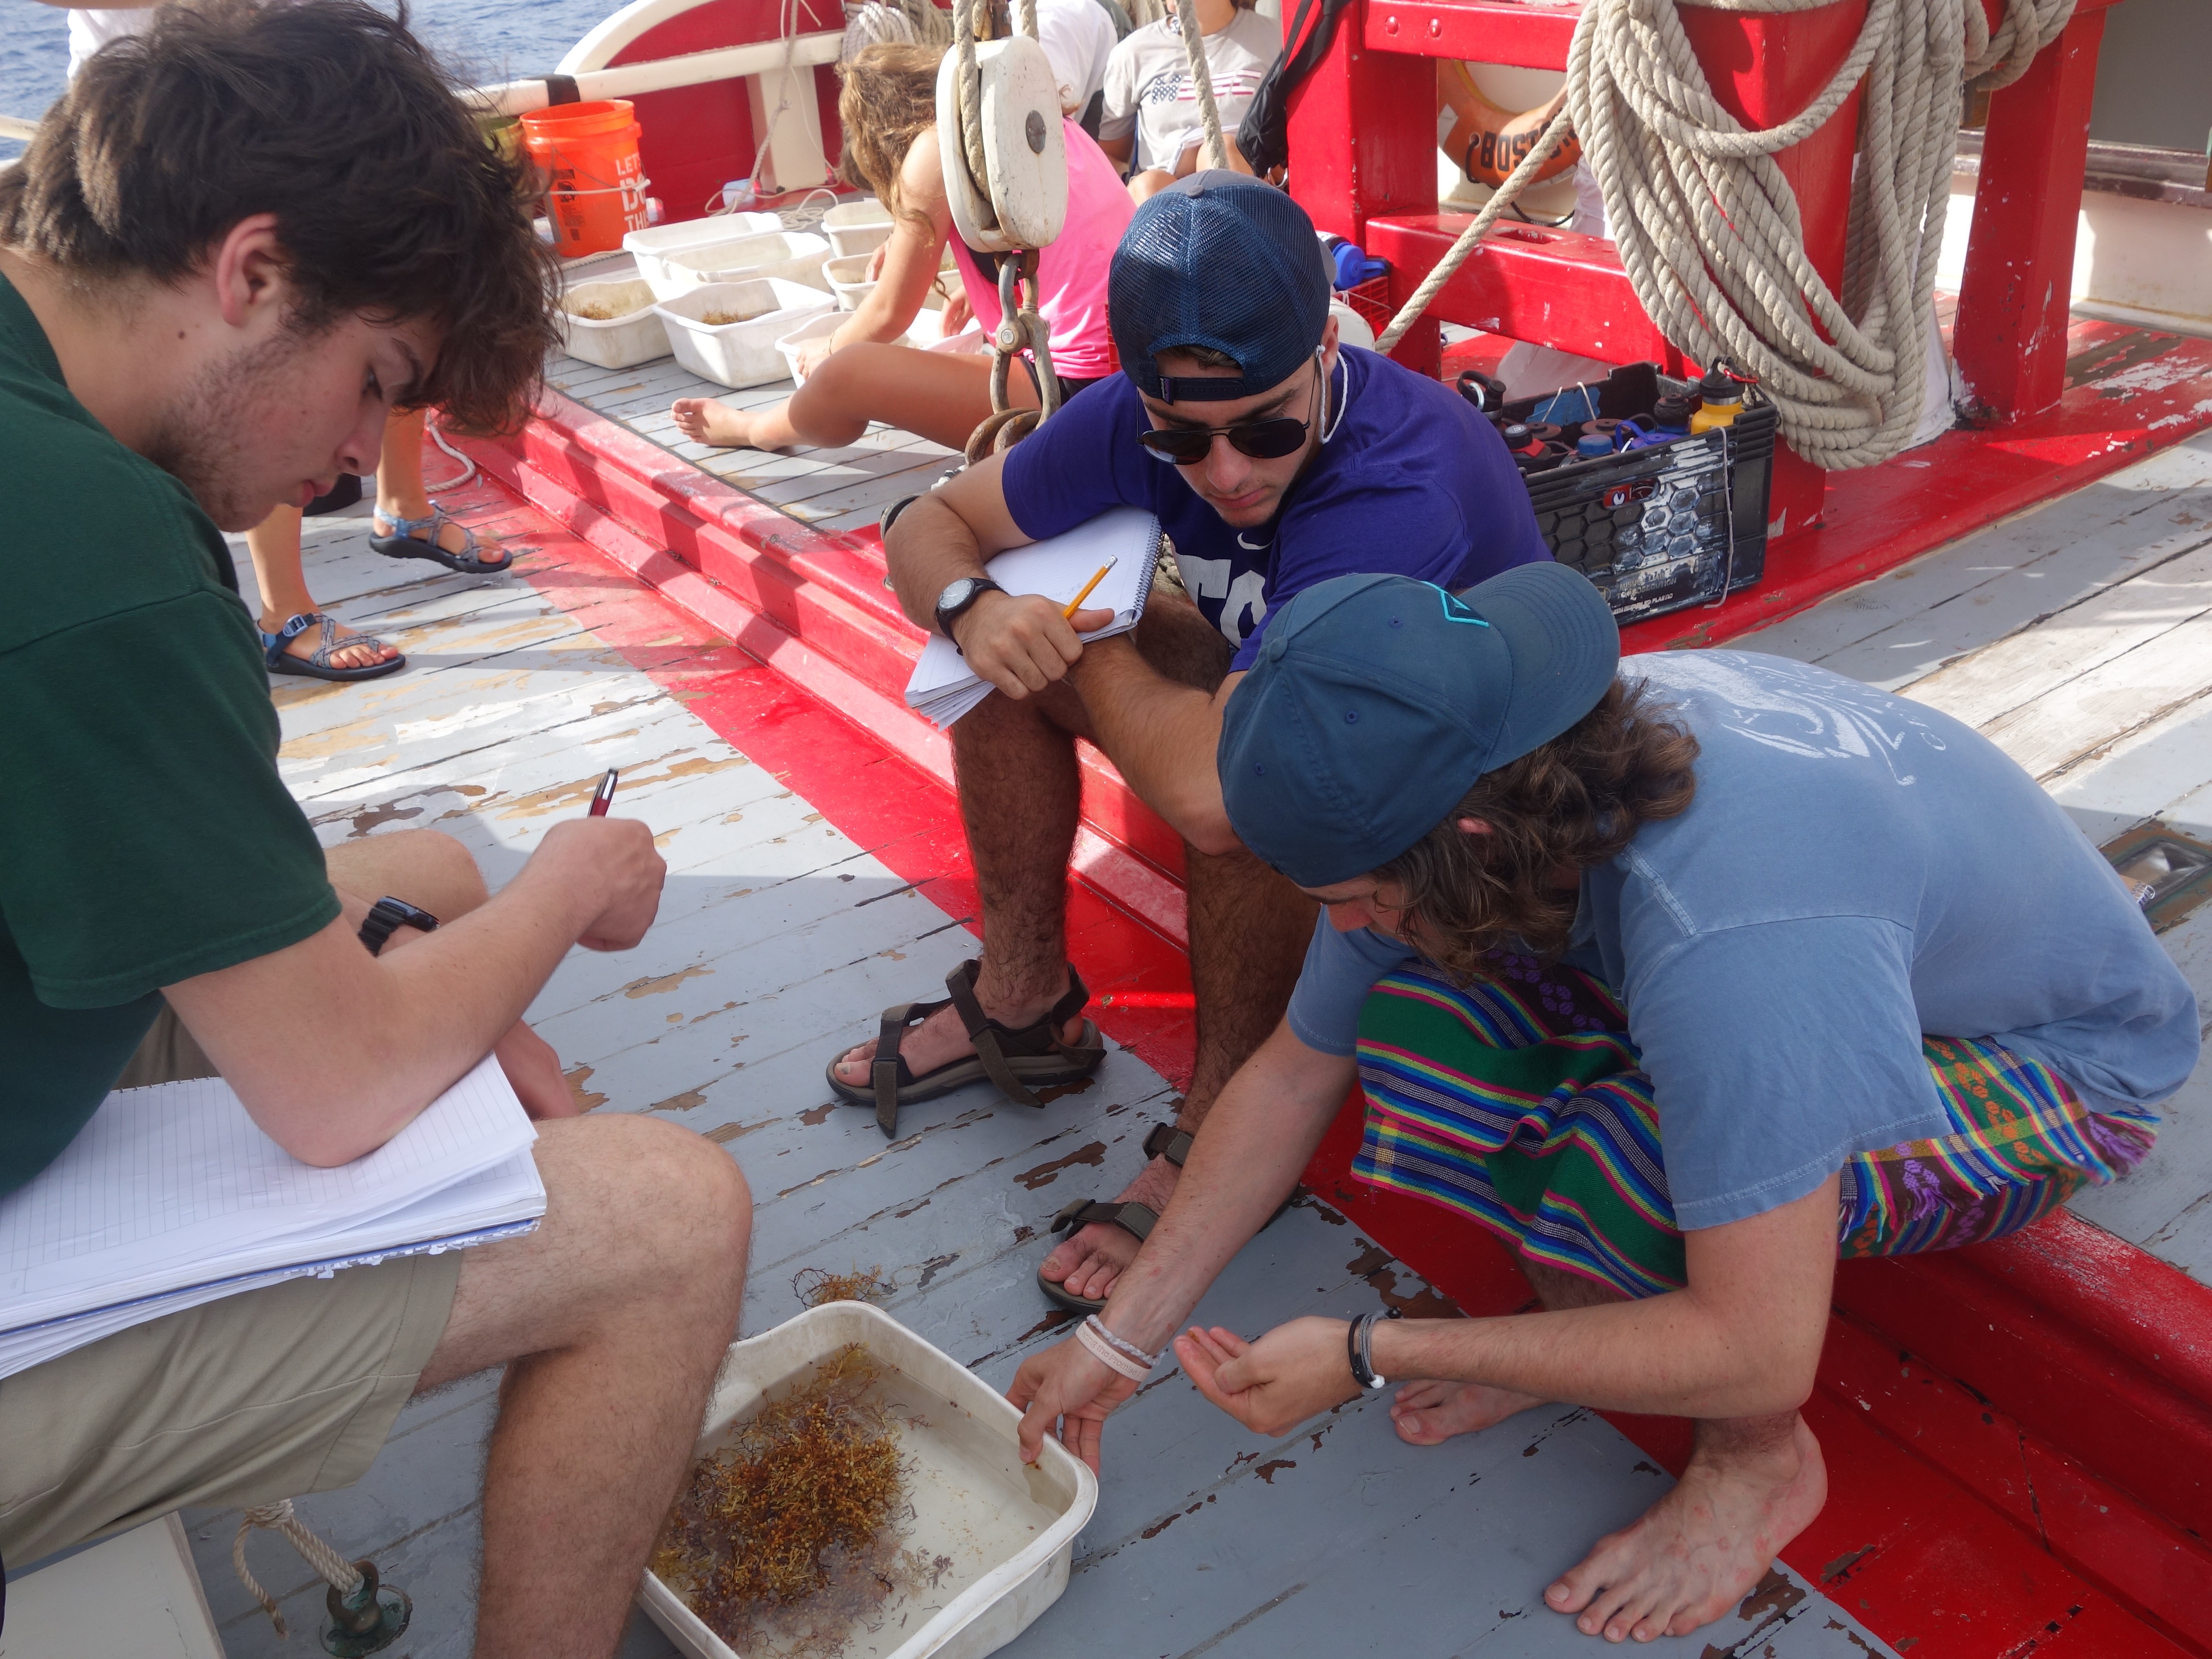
1720 400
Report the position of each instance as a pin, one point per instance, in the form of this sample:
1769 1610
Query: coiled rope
1708 229
334 1569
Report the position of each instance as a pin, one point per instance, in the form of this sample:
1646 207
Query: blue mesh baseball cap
1377 701
1216 259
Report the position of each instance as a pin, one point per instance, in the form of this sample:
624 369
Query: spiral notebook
943 688
170 1197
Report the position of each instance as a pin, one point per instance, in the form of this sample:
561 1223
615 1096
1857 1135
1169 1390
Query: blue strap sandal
403 542
317 665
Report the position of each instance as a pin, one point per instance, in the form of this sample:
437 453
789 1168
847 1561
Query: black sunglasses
1263 440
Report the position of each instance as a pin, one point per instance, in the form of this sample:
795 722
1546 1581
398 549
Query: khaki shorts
248 1400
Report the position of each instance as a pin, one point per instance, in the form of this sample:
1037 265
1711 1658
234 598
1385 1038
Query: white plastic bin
857 227
633 334
816 328
794 256
1008 1528
650 246
744 353
847 276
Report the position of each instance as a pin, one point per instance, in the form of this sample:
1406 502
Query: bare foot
1088 1260
354 649
1698 1550
1429 1414
709 421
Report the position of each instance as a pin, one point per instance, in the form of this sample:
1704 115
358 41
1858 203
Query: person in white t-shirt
1151 119
1078 36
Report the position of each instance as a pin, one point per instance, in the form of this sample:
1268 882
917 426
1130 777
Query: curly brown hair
1574 802
887 99
331 115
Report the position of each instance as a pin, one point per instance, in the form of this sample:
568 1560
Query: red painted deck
2020 1436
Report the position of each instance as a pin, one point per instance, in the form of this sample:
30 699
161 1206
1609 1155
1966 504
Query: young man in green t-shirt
237 242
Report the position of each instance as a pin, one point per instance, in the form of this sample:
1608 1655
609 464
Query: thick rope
968 93
1708 229
1456 255
1201 78
333 1568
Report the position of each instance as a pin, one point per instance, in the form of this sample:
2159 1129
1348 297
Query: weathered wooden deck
779 939
831 489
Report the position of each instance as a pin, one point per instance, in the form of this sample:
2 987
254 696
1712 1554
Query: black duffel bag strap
1264 136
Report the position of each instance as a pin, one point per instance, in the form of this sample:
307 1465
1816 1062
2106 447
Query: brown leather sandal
1018 1061
1136 1219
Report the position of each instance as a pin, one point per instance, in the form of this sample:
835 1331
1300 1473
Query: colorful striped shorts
1519 1101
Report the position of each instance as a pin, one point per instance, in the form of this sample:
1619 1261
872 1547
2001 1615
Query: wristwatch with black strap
389 913
959 598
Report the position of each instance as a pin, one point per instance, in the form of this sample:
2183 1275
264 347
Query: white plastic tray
740 354
634 335
815 328
1009 1528
857 227
795 256
649 246
847 276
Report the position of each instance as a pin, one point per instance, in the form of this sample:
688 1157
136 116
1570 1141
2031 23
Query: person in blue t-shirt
1273 458
1684 976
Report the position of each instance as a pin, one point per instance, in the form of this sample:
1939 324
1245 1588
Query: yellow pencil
1076 604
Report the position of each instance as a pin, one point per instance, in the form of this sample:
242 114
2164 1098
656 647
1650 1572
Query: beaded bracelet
1116 1354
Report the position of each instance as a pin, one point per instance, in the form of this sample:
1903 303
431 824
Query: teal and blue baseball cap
1377 701
1222 260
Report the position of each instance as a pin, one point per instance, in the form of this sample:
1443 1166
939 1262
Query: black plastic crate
1659 529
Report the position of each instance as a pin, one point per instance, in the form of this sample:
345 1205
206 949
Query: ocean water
483 40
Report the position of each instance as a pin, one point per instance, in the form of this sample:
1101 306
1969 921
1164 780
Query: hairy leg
943 396
1019 792
274 546
1427 1413
612 1319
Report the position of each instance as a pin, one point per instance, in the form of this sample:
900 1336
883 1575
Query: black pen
604 795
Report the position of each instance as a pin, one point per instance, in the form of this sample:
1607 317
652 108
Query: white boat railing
628 80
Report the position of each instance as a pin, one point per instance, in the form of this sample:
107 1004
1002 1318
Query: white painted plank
1997 679
1908 622
2075 720
2162 771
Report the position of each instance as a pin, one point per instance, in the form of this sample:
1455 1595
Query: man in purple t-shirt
1274 460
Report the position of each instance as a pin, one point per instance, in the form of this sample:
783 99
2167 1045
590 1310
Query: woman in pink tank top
860 374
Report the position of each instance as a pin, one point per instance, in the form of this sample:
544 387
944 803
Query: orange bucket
597 187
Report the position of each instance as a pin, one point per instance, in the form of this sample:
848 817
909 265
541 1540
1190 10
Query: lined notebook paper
170 1197
943 688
